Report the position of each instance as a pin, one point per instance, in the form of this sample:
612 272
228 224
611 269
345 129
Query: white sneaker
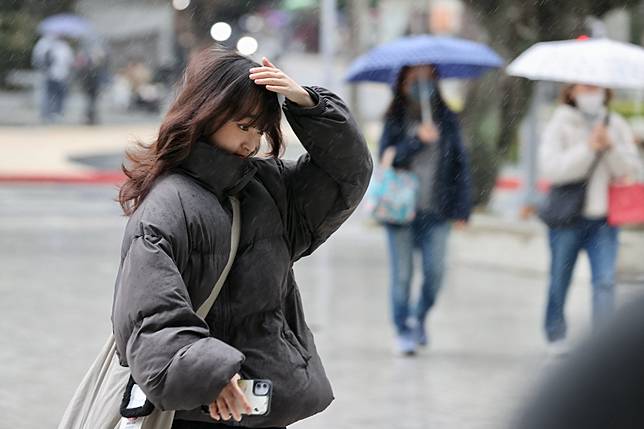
406 345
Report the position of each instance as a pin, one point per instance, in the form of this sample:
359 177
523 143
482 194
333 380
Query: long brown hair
215 89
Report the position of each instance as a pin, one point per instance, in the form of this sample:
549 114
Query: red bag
626 204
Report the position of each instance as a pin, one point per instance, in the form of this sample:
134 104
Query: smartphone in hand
258 393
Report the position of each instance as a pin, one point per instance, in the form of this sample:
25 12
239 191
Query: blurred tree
18 22
637 23
512 27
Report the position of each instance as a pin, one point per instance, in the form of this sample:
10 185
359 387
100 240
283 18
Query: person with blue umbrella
422 136
433 150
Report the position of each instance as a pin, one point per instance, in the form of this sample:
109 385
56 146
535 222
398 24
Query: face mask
591 103
416 90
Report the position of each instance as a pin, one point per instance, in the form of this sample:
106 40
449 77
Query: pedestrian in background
583 141
54 58
435 153
91 72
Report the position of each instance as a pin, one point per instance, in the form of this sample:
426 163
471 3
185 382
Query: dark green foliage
18 22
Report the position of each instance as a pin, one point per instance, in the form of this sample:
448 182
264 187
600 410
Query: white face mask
591 103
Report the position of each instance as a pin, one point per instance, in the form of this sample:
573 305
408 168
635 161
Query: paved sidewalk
47 151
51 153
60 256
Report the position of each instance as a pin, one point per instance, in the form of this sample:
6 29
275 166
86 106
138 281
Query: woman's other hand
387 159
599 139
427 133
231 402
277 81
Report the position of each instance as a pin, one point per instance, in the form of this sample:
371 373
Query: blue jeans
53 102
599 240
431 236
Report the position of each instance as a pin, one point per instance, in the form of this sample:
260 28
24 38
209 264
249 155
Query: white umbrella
600 62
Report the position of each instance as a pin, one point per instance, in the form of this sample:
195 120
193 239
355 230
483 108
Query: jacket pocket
292 340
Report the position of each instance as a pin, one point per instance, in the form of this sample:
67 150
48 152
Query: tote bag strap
593 166
234 243
598 155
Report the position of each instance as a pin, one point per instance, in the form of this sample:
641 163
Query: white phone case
259 394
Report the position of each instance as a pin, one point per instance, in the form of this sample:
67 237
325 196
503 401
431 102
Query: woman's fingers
276 80
267 74
241 398
270 78
224 412
231 403
277 89
214 410
267 63
255 70
272 81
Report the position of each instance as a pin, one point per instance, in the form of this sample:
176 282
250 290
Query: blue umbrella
452 57
66 24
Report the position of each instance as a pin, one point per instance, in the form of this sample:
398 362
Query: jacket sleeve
406 146
167 346
623 159
325 185
560 163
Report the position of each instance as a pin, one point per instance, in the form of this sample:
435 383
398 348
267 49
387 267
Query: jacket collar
219 171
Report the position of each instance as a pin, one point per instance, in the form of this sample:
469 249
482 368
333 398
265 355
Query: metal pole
358 9
425 105
328 26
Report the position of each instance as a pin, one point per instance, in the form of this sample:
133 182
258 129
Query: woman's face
580 89
238 138
589 99
414 74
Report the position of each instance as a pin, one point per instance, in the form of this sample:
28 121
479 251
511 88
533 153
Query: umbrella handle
425 107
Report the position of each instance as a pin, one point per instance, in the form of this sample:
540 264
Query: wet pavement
59 256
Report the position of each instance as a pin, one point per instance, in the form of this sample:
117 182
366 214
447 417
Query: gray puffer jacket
176 245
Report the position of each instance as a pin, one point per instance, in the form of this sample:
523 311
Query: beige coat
565 156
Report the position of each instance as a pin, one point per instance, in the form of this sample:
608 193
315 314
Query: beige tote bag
97 400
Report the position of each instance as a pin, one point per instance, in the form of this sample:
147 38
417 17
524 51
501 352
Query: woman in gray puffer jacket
177 242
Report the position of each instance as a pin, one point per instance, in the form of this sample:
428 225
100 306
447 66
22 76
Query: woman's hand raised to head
277 81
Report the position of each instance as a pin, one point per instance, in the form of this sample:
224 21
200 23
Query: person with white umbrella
584 149
577 144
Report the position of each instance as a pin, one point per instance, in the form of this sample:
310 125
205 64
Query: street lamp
221 31
180 4
247 45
